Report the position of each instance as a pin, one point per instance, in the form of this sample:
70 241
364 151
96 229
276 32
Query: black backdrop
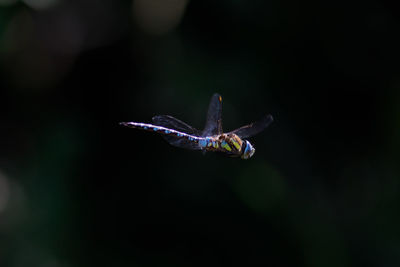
76 189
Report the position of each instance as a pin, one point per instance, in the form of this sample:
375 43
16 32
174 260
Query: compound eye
248 150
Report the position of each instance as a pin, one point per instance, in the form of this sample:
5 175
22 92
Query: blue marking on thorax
167 131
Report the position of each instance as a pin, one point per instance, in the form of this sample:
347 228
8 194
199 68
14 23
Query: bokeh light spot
41 4
39 51
158 17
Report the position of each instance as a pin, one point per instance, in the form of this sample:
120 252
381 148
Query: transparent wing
181 142
175 124
254 128
214 121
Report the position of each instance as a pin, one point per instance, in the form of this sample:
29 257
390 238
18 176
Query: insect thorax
227 143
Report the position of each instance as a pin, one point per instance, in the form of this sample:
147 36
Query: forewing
254 128
214 121
173 123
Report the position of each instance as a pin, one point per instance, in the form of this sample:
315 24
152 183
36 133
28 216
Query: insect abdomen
161 130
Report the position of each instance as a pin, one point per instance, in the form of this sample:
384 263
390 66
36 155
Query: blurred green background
78 190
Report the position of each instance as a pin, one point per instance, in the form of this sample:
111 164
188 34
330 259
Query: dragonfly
212 138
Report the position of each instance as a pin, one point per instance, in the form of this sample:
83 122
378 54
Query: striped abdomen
160 129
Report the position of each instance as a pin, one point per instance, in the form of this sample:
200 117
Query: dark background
76 189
